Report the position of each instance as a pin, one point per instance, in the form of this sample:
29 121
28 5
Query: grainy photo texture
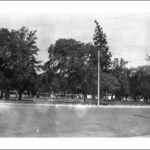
74 69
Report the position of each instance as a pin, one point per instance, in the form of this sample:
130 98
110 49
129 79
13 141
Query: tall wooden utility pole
98 98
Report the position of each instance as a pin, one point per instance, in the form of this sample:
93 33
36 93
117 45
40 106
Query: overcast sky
126 24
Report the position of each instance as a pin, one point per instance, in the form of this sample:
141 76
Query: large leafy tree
26 66
122 74
66 60
73 65
18 65
83 73
140 83
6 38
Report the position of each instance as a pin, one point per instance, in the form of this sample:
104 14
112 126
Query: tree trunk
19 97
37 95
93 96
135 98
85 97
64 93
1 96
7 95
111 97
30 94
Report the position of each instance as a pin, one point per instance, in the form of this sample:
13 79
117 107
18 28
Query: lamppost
98 99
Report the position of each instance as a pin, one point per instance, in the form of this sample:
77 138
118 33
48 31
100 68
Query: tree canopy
71 69
18 64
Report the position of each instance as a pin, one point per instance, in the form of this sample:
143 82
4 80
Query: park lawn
44 120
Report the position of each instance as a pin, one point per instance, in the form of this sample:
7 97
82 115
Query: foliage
100 43
140 83
72 68
17 59
122 74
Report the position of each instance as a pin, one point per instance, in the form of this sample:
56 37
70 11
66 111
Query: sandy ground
47 120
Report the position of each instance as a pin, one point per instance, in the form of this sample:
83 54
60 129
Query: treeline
72 68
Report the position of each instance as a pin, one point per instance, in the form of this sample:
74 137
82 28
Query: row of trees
71 68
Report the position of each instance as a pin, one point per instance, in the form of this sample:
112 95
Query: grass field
34 120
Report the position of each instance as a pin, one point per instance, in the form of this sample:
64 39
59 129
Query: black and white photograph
74 69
